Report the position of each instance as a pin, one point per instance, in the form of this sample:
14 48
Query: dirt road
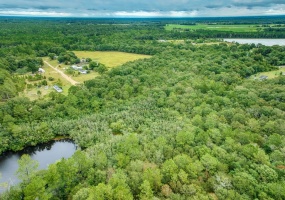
73 82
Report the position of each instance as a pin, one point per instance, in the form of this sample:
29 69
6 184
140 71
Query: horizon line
137 17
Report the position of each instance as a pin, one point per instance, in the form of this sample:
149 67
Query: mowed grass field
110 58
270 74
217 27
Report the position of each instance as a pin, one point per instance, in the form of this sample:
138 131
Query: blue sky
142 8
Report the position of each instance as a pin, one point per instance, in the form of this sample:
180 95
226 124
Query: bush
50 78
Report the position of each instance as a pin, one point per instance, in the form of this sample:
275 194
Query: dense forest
186 123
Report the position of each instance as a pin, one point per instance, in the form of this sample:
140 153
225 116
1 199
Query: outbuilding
41 70
263 77
57 88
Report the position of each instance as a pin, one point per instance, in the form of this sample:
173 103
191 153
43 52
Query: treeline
202 33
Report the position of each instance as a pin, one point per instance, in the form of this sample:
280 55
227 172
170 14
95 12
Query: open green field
270 74
110 58
217 27
84 77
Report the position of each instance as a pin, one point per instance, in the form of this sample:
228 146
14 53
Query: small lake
266 42
45 154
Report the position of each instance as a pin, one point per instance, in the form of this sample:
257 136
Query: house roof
41 70
263 77
57 88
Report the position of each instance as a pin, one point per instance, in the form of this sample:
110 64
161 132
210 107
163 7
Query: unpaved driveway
73 82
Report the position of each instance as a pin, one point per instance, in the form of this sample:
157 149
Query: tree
101 69
146 192
27 168
82 194
93 65
153 176
101 192
88 59
36 189
210 163
52 56
245 183
39 93
169 169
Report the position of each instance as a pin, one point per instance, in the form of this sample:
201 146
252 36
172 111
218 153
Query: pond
266 42
45 154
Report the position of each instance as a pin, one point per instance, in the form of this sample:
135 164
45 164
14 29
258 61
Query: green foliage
27 168
184 124
68 58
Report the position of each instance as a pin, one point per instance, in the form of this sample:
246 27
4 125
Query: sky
141 8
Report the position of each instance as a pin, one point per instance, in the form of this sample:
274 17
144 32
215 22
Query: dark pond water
45 154
266 42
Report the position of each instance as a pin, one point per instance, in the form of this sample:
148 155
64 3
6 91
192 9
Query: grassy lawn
52 62
49 72
84 77
218 27
110 58
270 74
57 77
32 93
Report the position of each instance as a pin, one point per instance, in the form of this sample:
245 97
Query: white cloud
146 8
183 13
34 13
275 11
137 14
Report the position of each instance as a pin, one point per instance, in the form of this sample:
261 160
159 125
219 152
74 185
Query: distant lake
266 42
45 154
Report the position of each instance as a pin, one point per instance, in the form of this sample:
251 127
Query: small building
283 73
76 67
82 71
41 70
83 60
57 88
263 77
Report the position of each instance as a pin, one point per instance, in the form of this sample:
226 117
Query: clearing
69 79
217 27
110 58
270 74
32 93
57 71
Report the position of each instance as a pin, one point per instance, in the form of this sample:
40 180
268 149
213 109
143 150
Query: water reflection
263 41
45 154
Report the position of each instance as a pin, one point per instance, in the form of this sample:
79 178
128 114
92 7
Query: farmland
217 27
110 58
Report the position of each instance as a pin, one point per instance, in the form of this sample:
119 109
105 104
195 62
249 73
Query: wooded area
186 123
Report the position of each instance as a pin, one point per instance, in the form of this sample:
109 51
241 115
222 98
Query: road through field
73 82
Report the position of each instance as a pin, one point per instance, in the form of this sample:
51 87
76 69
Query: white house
83 71
41 70
76 67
